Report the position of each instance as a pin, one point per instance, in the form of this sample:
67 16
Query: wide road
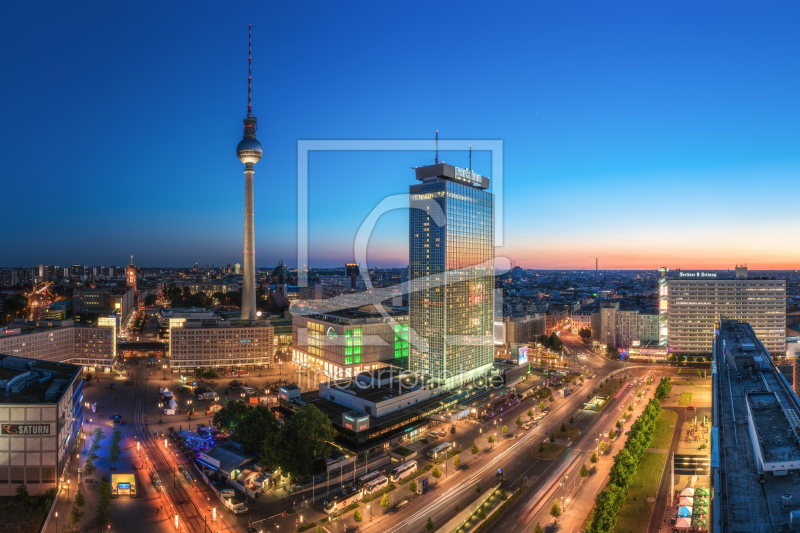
513 456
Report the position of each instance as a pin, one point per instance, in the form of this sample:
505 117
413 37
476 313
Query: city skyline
668 153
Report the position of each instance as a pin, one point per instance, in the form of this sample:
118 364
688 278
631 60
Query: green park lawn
685 399
662 434
551 451
635 514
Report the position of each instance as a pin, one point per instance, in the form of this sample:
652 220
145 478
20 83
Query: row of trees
91 456
687 359
663 389
15 306
609 502
552 342
298 447
585 333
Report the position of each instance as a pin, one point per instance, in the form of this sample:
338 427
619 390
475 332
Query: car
240 510
424 441
452 430
518 434
690 408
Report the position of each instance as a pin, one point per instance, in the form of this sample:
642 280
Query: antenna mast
470 159
436 160
250 70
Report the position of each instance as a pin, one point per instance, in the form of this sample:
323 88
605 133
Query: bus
363 480
439 452
403 471
375 485
342 500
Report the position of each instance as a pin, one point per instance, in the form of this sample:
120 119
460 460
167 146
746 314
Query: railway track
177 501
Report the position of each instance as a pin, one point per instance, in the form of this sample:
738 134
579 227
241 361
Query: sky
642 134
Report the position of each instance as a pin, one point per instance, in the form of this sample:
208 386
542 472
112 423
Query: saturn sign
25 429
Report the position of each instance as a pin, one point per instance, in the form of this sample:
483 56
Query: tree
490 439
457 508
541 406
478 488
697 373
320 530
474 449
680 371
429 526
612 434
571 420
690 359
603 446
412 486
563 428
630 407
552 437
505 430
385 502
296 446
80 500
594 459
87 378
555 510
457 462
541 447
357 516
551 398
75 515
521 479
538 528
436 473
618 424
584 471
230 415
150 300
503 494
254 427
530 413
518 422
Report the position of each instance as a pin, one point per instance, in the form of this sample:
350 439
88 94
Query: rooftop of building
378 385
24 380
186 312
218 323
357 315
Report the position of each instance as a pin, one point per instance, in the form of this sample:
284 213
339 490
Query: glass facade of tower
451 280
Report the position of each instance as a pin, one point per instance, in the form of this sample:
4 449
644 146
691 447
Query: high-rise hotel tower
249 152
451 275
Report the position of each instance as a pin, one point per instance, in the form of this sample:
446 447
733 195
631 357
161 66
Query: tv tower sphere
249 150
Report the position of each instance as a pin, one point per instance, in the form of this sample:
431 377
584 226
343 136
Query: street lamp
56 521
67 490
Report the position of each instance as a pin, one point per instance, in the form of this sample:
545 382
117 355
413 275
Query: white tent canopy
686 501
683 522
684 511
688 491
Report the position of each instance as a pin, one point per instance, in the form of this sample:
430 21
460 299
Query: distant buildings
696 300
622 328
451 278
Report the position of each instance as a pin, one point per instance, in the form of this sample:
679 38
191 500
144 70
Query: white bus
342 500
440 451
375 485
403 471
363 480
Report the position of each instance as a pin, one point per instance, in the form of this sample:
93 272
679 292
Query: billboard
523 355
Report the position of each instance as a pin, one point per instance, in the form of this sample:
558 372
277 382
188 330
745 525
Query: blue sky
643 134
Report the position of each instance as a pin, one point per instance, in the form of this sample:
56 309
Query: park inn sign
25 429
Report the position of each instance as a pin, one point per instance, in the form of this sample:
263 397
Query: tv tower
249 152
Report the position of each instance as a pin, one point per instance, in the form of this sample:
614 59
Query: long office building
755 444
696 300
451 274
221 344
94 347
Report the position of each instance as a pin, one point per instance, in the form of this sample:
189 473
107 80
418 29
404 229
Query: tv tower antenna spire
436 160
250 70
470 159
